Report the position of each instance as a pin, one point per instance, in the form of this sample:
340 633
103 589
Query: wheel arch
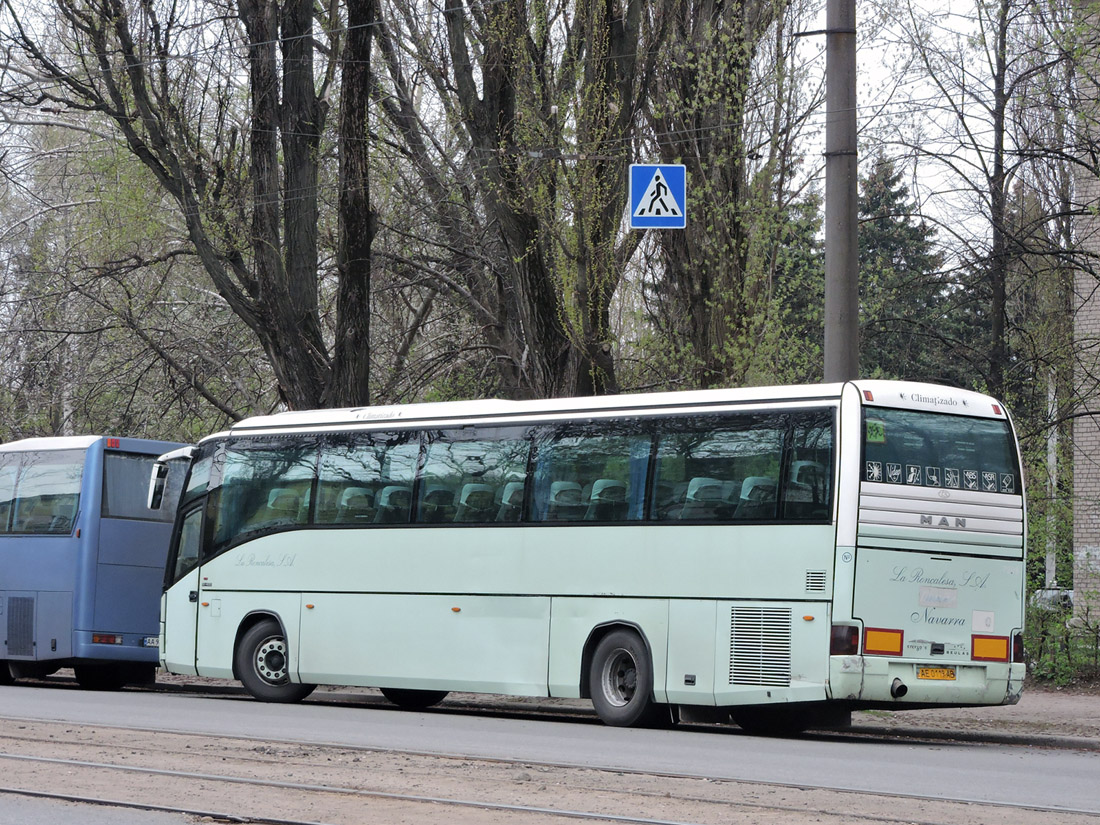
249 621
596 635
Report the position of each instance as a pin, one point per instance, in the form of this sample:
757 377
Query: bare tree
518 120
106 323
244 177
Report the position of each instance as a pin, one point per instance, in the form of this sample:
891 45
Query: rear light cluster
106 639
844 640
880 641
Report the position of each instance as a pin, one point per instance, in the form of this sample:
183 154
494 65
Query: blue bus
81 559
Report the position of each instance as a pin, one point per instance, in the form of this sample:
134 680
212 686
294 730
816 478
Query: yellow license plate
941 673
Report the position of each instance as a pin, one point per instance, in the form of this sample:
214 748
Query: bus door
179 611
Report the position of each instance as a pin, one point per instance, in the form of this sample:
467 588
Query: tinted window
719 468
40 491
199 479
920 449
187 548
591 472
367 478
9 470
808 494
126 488
266 484
473 477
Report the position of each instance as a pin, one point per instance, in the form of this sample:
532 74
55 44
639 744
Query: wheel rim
619 678
270 661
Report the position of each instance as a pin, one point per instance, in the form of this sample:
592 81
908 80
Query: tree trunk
351 351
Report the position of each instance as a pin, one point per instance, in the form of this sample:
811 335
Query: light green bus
775 556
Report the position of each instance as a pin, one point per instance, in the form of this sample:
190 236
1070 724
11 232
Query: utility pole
841 205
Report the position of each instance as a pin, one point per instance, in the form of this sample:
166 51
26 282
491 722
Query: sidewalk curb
1037 740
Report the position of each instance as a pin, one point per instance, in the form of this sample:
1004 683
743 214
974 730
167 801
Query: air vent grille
815 581
760 646
21 626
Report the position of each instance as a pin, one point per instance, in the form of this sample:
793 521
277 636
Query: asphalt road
1049 778
17 810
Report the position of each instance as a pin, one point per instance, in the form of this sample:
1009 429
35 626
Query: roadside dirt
115 765
1042 711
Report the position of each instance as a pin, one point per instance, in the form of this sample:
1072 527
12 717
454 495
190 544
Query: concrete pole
841 193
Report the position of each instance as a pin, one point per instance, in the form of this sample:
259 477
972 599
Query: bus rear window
921 449
40 491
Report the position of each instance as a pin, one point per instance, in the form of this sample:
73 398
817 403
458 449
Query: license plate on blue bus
940 673
151 641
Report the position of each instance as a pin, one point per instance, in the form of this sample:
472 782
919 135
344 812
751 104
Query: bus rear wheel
261 662
620 681
414 699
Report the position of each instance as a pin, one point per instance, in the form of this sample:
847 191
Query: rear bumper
867 681
132 649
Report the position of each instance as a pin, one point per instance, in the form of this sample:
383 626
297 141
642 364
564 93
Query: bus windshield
924 449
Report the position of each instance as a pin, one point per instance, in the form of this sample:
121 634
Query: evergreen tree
908 328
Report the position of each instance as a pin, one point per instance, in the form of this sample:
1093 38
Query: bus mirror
157 483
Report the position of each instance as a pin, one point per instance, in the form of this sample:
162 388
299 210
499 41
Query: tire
261 664
414 699
6 676
620 681
100 677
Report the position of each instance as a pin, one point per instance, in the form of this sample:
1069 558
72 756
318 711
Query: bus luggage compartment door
38 625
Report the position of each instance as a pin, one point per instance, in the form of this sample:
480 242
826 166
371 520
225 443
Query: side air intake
760 646
21 626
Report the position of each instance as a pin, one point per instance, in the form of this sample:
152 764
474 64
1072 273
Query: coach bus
774 556
82 558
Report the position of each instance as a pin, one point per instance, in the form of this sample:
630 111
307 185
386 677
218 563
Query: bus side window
8 467
266 485
808 494
366 478
190 540
466 473
718 468
591 472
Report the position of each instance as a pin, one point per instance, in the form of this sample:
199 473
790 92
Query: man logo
942 521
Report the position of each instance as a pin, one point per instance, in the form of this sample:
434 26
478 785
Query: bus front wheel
620 681
262 665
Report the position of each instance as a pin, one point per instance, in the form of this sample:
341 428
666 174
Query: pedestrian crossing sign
658 196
